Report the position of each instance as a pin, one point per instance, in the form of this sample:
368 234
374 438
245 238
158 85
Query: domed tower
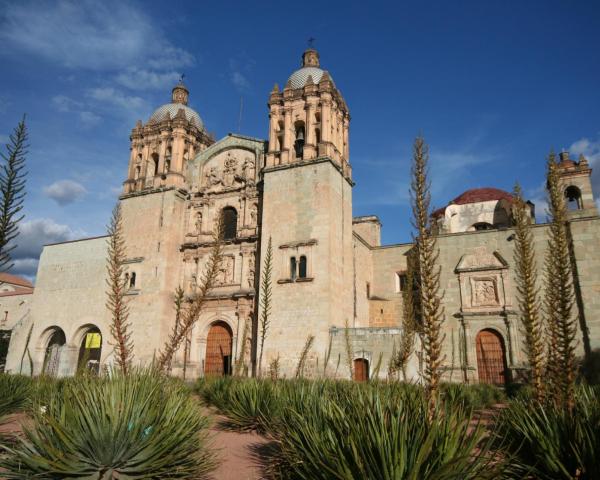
576 181
161 148
309 119
307 213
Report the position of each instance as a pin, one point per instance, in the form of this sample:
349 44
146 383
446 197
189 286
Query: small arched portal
54 349
361 369
491 357
218 350
90 350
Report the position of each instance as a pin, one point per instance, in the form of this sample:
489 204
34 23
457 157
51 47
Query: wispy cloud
590 149
64 192
239 69
142 79
64 103
109 35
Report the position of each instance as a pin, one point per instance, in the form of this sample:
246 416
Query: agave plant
370 437
139 426
15 391
548 442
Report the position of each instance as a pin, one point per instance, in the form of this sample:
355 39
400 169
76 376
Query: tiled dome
299 77
172 109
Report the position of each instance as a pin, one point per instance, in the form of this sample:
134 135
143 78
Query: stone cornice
305 163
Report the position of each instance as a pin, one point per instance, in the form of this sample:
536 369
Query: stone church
332 278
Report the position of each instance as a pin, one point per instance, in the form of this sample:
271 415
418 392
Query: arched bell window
302 267
293 268
229 223
300 137
573 197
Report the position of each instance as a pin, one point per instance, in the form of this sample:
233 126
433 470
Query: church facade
332 279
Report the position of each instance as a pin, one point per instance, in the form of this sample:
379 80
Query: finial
181 78
275 88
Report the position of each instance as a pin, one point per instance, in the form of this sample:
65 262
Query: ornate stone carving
225 275
484 292
198 222
253 214
251 271
248 169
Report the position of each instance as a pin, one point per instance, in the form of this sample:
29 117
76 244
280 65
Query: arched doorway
491 357
54 349
361 370
90 350
218 350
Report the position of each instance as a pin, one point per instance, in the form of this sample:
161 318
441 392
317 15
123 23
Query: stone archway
53 352
361 370
491 357
219 344
90 350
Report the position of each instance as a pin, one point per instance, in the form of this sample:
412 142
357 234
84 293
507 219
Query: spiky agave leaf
141 426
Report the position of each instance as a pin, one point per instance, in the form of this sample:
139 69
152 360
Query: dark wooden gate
218 350
491 357
361 370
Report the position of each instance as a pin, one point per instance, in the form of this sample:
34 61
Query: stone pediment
480 259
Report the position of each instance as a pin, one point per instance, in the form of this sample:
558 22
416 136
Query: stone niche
483 280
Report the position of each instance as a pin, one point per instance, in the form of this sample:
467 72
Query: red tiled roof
476 195
15 280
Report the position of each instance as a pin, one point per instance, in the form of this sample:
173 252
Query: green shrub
369 437
477 396
140 426
548 442
15 393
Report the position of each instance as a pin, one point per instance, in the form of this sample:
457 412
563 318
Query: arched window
482 226
573 196
53 352
299 143
302 267
132 280
293 271
229 223
155 163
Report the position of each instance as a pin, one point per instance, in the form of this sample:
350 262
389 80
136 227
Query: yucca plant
140 426
549 442
370 437
15 393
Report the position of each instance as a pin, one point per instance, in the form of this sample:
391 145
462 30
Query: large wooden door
491 357
361 370
218 350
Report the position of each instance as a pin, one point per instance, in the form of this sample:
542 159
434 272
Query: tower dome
179 100
310 68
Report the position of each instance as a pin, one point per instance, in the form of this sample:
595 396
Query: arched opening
361 369
302 267
229 223
300 137
293 268
218 350
491 357
54 349
132 280
167 167
155 163
317 135
573 197
482 226
90 351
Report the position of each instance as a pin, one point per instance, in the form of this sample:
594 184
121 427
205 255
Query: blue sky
491 85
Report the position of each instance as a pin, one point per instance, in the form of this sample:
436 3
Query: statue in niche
198 223
248 171
485 293
253 214
225 275
251 272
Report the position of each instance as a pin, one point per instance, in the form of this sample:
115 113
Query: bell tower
575 178
161 148
309 119
307 213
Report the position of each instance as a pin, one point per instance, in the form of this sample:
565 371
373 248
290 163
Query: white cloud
65 104
142 79
89 119
239 81
116 98
33 235
590 149
108 35
64 192
239 68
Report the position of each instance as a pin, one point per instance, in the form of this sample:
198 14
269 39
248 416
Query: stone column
309 144
287 136
325 120
346 145
162 152
273 120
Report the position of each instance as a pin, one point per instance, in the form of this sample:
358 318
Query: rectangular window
293 273
302 267
368 290
400 281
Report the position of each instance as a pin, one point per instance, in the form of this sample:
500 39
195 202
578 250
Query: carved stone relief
484 292
251 271
225 275
228 171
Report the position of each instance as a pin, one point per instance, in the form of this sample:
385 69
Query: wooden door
361 370
218 350
491 357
